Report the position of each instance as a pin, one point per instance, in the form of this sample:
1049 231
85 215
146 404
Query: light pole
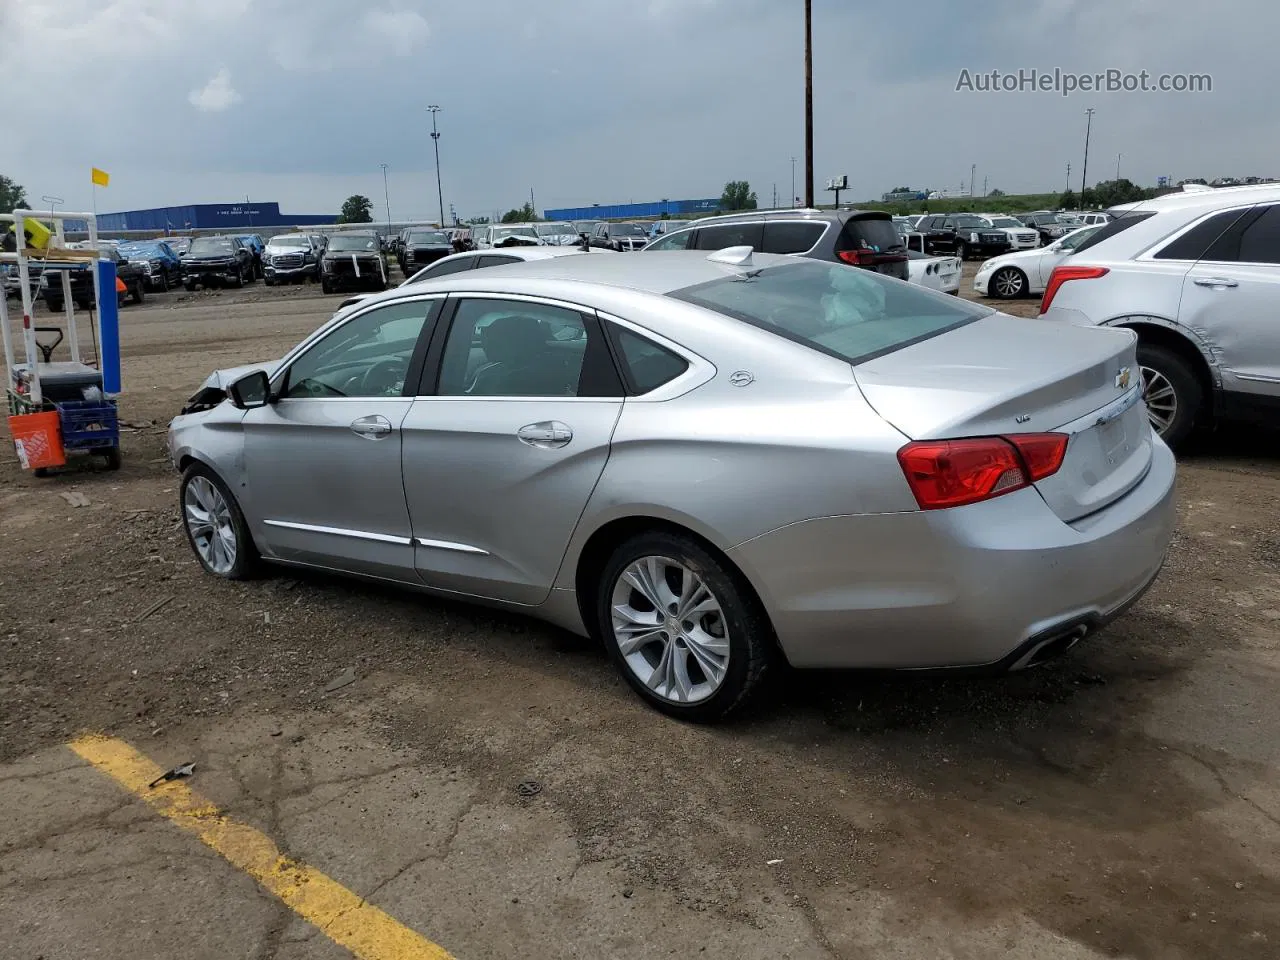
435 138
794 198
1118 156
386 195
808 104
1084 173
973 171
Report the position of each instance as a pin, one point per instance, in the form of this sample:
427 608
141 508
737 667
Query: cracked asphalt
1123 801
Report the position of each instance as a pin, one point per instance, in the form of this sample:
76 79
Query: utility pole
532 205
1118 156
973 171
984 185
248 212
1068 174
435 138
1084 173
794 198
386 194
808 103
775 196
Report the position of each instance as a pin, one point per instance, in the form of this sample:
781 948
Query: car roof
1204 200
800 213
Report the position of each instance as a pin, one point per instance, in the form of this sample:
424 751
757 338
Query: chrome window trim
340 532
700 369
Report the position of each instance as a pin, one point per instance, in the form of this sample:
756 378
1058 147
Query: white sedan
1025 272
936 273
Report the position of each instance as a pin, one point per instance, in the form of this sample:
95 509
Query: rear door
721 235
505 443
1232 298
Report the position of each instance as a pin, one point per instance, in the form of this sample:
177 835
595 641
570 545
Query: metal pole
386 195
1118 156
533 206
247 211
973 172
435 138
1068 174
794 198
1084 173
808 103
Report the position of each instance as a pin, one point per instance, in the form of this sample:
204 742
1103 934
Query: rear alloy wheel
682 627
962 251
138 290
1173 394
215 526
1007 283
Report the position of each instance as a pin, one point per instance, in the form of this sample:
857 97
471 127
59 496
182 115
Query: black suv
864 238
619 236
421 247
82 292
964 234
217 262
353 260
1050 226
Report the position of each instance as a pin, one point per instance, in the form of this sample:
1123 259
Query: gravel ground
1122 801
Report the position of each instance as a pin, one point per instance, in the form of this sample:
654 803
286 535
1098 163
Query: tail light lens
952 473
1061 275
857 257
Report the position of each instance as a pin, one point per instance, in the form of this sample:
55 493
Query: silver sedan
707 462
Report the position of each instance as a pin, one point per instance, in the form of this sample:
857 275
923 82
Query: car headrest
509 339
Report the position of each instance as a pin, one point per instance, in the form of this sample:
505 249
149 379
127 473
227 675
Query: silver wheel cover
208 518
670 629
1161 398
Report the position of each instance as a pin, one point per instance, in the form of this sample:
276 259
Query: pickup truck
82 293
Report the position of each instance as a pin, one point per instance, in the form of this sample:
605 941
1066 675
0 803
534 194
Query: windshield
206 246
838 310
358 242
1006 222
626 230
555 230
428 236
289 243
141 250
500 232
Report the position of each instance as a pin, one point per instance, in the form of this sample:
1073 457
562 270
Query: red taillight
951 473
1061 275
857 257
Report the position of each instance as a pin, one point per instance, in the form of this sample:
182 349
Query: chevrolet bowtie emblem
1122 378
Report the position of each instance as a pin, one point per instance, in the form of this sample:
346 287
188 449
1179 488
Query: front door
323 460
1233 302
502 455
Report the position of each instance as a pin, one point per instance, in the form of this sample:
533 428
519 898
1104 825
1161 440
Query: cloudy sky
609 100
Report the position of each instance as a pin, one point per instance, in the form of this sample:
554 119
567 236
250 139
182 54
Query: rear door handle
546 433
371 428
1215 282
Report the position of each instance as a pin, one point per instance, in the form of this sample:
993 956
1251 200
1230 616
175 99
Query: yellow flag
100 178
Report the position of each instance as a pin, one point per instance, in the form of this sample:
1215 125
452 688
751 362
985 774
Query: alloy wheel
1162 399
208 518
1008 283
670 629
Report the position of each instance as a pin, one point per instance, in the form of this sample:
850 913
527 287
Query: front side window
365 357
508 348
673 241
838 310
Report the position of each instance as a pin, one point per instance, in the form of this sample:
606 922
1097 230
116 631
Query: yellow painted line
341 915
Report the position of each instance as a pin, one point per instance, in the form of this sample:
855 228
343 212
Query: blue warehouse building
210 216
634 211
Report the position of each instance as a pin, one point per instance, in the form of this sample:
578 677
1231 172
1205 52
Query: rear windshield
1120 224
879 236
838 310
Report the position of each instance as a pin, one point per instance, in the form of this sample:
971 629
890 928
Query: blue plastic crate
88 425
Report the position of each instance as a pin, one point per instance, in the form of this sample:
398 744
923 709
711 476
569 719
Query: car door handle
1215 282
546 433
371 428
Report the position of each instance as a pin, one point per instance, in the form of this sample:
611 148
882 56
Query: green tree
12 195
737 196
478 220
995 192
1088 198
1068 200
356 209
1110 192
523 214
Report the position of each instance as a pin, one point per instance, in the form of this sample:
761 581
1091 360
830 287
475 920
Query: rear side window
880 236
1260 242
731 235
443 269
647 366
494 260
1195 243
1119 225
790 236
838 310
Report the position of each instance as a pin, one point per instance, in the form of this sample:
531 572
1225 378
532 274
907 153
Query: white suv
1197 276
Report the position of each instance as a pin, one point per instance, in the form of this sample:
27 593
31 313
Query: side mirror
251 391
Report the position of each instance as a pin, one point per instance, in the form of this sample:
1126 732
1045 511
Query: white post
8 337
24 279
93 279
68 307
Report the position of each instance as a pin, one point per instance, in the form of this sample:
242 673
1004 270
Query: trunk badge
1122 378
742 378
1022 418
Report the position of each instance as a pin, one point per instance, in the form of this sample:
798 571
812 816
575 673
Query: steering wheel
383 376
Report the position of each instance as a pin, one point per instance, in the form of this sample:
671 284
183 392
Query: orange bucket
38 440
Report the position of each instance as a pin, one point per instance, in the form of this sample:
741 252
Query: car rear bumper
976 586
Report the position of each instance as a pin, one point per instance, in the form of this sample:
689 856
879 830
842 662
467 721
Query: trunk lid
1003 375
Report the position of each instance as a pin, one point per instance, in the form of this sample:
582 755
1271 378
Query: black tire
190 286
962 251
752 646
325 286
139 294
248 562
1015 283
239 280
113 458
1188 393
40 472
269 281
